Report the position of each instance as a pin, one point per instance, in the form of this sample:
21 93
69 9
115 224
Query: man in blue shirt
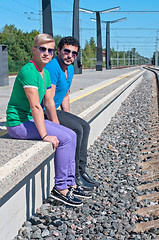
61 73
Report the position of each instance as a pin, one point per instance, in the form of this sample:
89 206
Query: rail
149 178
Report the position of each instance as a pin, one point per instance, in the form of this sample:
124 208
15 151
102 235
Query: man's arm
65 105
50 104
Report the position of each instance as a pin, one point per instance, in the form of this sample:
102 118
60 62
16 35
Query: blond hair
43 38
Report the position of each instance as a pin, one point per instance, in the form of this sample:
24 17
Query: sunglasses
68 51
51 51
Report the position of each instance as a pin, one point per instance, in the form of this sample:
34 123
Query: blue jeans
65 153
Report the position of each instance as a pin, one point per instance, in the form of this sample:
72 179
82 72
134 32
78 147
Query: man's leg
82 129
65 152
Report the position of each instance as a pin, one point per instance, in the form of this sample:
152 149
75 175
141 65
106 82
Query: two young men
61 73
25 119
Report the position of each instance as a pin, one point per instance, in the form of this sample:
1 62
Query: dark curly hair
69 41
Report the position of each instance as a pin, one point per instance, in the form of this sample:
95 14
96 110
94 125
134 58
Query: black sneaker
69 199
78 192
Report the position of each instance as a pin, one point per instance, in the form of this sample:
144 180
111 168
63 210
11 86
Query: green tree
89 53
19 46
57 39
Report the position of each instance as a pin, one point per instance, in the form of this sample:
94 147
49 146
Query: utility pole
75 33
107 57
117 55
40 16
124 55
47 17
80 31
156 53
99 63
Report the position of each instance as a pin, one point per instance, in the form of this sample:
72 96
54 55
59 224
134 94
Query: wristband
44 137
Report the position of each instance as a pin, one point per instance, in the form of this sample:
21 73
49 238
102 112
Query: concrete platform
27 167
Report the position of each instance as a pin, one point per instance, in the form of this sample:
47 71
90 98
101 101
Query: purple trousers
64 159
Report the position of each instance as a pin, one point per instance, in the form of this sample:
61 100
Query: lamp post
107 57
47 17
99 61
108 54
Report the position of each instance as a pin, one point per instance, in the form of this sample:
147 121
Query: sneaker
69 199
78 192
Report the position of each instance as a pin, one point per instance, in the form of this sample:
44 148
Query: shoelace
71 193
80 188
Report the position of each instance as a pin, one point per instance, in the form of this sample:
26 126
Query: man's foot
78 192
83 184
88 179
69 199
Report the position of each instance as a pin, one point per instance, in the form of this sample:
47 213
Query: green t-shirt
18 110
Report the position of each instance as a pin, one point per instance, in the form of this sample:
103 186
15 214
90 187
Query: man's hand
53 140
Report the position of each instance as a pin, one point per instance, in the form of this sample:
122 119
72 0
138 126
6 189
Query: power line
134 42
123 29
150 12
22 4
145 29
59 8
133 37
12 11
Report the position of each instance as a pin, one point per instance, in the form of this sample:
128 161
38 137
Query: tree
89 53
19 46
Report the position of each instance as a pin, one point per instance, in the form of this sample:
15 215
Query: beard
66 61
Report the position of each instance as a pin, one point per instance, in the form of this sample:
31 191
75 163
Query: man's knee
78 129
86 127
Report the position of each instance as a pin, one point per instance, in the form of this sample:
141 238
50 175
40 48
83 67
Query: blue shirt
58 78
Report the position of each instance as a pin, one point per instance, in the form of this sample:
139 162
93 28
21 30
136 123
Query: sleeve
53 69
28 79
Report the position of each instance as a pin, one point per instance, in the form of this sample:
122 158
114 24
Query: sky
139 31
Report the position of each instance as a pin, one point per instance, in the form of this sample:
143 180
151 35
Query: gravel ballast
113 158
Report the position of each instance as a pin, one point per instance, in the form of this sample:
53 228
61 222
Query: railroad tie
149 167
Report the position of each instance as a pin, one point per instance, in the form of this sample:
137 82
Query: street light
99 61
103 11
86 10
107 57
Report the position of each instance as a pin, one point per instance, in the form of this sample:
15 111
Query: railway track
148 201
